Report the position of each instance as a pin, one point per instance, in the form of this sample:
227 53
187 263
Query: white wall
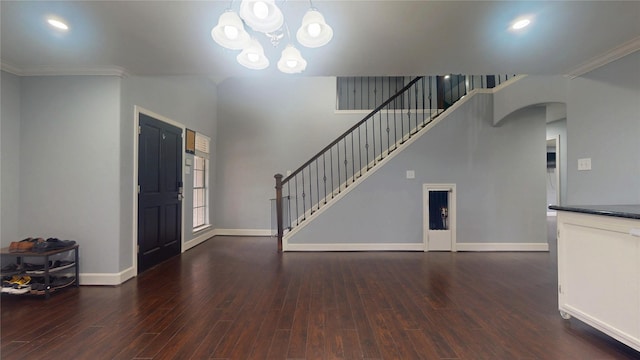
70 164
187 100
603 123
269 125
499 173
10 161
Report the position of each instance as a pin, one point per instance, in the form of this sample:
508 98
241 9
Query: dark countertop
622 211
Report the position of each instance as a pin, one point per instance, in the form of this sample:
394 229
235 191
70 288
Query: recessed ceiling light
58 24
520 23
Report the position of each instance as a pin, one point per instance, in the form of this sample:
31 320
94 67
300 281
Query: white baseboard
242 232
199 239
107 279
355 247
119 278
502 247
417 247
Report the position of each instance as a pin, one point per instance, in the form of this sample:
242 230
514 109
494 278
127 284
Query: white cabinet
599 273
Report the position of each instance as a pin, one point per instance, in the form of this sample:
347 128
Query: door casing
452 212
556 141
137 111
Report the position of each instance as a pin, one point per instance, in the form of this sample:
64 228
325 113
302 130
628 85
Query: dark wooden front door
160 192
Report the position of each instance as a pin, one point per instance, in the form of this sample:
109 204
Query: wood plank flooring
237 298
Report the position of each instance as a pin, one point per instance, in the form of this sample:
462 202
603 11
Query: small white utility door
439 217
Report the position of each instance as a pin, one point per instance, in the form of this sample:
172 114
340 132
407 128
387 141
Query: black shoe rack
46 273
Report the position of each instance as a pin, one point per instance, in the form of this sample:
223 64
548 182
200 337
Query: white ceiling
370 37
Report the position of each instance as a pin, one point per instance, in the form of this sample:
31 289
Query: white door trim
452 212
558 166
136 123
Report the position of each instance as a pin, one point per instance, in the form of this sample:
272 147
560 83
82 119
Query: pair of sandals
39 245
25 245
17 280
17 285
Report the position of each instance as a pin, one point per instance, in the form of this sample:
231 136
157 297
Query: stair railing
337 166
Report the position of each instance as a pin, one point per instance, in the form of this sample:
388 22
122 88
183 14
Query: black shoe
52 244
10 269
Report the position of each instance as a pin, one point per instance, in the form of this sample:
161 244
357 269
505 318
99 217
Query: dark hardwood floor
237 298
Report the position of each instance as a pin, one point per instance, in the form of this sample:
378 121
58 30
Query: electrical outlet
411 174
584 164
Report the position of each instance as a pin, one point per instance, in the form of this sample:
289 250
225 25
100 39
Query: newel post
279 209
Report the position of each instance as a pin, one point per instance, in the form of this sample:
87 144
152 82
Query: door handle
180 196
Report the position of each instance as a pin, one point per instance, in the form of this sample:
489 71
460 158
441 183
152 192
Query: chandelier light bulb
260 10
231 32
253 57
314 30
291 61
261 15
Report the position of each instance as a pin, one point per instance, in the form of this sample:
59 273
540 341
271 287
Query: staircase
342 163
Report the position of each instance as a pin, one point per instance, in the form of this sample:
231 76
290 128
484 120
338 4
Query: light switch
411 174
584 164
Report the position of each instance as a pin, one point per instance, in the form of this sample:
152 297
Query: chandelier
264 16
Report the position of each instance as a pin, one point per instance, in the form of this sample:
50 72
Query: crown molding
616 53
10 68
58 71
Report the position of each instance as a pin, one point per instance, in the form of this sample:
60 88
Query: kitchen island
599 268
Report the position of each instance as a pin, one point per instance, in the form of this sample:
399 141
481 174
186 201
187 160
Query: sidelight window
201 183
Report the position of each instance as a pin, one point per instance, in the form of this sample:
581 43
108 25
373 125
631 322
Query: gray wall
70 164
532 90
72 137
603 123
10 162
499 173
187 100
269 125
